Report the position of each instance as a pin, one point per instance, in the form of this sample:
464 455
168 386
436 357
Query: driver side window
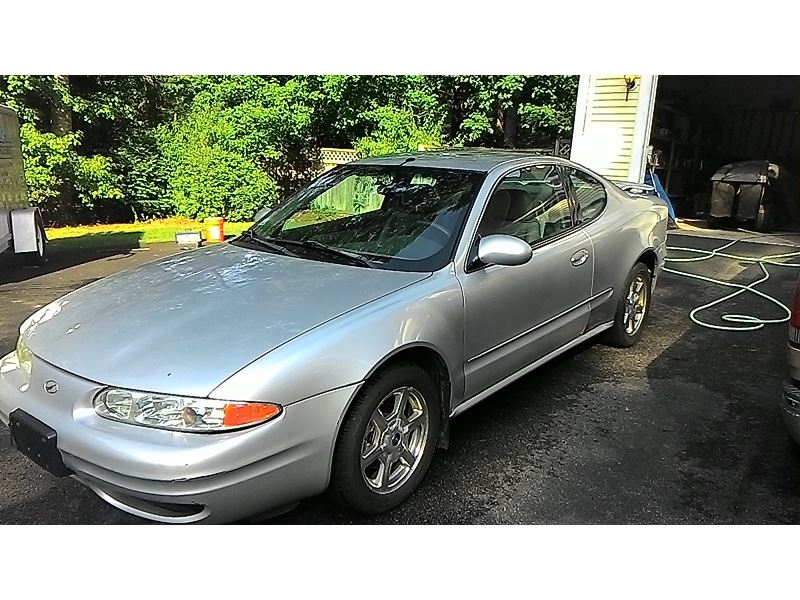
530 204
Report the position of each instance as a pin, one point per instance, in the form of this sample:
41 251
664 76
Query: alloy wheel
394 440
635 304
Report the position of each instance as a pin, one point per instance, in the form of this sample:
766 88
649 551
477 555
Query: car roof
473 159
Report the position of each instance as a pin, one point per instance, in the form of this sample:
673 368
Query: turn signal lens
178 413
237 415
795 321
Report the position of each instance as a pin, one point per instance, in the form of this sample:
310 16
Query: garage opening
702 123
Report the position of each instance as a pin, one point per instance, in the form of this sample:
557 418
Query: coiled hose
746 322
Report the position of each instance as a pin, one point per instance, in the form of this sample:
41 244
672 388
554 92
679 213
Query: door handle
580 257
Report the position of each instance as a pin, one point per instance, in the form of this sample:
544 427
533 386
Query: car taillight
794 322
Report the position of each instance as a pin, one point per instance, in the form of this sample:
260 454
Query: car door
516 315
591 200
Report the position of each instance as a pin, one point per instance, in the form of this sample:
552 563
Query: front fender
347 349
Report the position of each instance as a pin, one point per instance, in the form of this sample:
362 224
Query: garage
684 128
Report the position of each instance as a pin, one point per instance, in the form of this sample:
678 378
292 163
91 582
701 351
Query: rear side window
530 204
590 195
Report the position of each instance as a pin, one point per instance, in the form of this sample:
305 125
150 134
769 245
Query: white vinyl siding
608 122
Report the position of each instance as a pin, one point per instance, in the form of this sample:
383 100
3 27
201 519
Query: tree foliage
117 147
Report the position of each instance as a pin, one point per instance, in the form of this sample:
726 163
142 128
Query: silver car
329 346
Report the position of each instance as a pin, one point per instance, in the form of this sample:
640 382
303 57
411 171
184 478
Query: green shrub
143 175
397 130
244 142
212 182
206 175
52 161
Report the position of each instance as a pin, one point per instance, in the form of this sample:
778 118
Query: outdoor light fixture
630 84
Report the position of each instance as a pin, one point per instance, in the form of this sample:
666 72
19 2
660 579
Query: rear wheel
387 440
633 308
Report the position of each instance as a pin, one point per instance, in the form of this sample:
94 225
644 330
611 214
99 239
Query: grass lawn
127 235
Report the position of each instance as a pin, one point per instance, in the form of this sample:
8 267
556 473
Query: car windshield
392 217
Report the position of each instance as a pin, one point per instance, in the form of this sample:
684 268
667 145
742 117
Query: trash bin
214 228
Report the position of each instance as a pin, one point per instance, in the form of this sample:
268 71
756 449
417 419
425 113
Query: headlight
24 356
178 413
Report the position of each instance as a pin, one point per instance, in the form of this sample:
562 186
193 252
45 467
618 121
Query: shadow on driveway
69 252
683 428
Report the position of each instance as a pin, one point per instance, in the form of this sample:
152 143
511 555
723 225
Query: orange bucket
214 228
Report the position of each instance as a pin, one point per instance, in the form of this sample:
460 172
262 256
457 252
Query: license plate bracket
37 441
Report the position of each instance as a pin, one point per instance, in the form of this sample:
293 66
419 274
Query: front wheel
387 440
632 309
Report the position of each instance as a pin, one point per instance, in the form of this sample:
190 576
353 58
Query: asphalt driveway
683 428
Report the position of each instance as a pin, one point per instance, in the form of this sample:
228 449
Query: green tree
122 147
121 117
506 110
398 130
56 168
255 129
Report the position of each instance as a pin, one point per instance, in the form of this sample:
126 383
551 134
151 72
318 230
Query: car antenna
409 159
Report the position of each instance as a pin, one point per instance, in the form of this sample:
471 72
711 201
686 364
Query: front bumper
180 477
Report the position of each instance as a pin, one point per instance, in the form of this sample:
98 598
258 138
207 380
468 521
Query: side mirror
504 250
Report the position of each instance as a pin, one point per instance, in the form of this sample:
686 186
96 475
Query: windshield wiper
351 256
248 236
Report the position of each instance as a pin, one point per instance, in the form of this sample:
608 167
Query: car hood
184 324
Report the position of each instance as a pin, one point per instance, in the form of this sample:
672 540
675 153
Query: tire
361 485
620 335
39 257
